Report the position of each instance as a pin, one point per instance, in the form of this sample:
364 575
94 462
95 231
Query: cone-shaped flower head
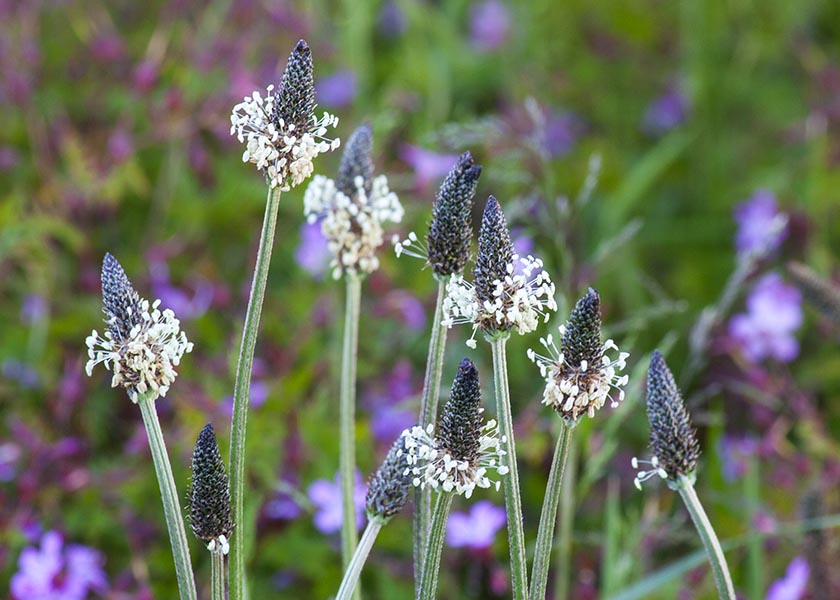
281 132
209 494
356 161
448 242
580 377
509 292
142 345
353 209
389 488
673 440
462 454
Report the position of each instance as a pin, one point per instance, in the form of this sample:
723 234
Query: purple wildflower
388 406
735 451
185 305
9 158
313 254
9 457
477 528
21 373
774 313
489 25
391 21
337 90
428 166
54 571
34 309
326 496
120 145
761 227
667 111
792 585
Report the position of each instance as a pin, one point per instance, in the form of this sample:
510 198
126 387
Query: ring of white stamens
411 246
353 226
145 360
644 475
575 390
431 465
275 147
519 302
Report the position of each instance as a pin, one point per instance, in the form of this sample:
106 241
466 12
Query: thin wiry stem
567 514
428 414
347 419
171 503
437 533
510 482
723 580
548 517
217 576
354 569
240 394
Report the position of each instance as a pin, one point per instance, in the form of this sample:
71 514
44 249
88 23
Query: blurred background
677 156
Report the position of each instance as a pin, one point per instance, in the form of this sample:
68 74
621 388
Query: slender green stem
354 569
217 576
171 501
513 502
755 549
437 532
240 394
347 418
723 580
548 517
567 514
428 414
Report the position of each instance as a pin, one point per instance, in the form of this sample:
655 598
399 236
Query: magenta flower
313 253
477 528
337 90
766 330
667 111
55 571
792 585
428 166
184 304
761 226
326 497
489 25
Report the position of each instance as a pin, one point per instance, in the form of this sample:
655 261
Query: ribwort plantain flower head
209 494
673 439
353 209
389 488
141 345
580 376
447 247
501 298
281 132
463 454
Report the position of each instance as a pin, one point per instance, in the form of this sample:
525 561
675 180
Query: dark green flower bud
460 428
450 231
495 252
295 103
389 488
121 302
209 494
356 162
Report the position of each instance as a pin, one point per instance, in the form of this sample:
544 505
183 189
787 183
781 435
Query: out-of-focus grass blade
644 588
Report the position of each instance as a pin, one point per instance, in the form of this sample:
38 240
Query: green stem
347 418
217 576
513 502
755 549
170 499
240 393
723 580
354 569
437 532
567 514
428 415
548 517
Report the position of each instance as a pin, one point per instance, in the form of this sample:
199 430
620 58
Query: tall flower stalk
579 379
675 453
142 345
460 457
386 496
447 251
503 299
209 506
352 210
282 137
